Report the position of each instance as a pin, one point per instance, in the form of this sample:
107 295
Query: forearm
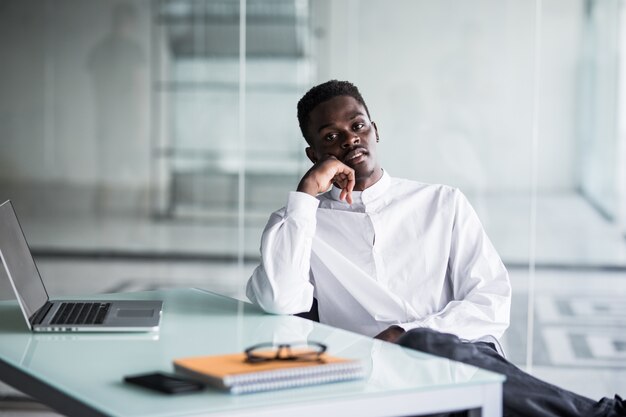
280 284
468 319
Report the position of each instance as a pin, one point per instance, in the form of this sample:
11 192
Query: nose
350 140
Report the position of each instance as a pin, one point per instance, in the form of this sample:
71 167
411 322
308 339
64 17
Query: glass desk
81 374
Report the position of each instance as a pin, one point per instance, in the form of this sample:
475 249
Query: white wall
57 124
22 87
450 84
598 107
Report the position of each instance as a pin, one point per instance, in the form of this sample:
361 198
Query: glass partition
145 142
580 277
451 87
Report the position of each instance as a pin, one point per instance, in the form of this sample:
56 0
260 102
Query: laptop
45 315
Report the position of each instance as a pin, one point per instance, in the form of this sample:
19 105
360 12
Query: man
395 259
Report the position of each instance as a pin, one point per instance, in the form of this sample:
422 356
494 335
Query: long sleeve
280 284
480 287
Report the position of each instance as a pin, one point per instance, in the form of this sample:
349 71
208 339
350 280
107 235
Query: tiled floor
579 316
579 328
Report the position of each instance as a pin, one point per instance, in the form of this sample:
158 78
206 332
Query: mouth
355 156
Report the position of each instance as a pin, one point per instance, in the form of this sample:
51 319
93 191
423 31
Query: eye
358 126
330 137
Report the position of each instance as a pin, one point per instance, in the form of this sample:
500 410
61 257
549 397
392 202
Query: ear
376 130
310 153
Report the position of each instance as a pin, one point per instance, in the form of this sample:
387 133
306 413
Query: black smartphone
163 382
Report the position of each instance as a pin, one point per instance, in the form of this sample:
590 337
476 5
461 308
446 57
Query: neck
364 183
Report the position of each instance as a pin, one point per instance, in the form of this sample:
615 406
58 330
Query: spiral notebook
232 373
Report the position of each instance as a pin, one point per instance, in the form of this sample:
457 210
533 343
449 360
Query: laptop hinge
39 315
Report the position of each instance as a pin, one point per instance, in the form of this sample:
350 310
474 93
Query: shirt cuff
411 325
301 205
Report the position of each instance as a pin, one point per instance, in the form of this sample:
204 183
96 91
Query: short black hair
324 92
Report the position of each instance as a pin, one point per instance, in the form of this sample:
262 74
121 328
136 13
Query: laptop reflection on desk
45 315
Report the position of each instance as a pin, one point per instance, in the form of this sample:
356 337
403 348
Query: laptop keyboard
81 313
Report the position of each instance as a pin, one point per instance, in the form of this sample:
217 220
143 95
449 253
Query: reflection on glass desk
82 375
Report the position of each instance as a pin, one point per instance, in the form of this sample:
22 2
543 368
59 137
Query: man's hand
326 172
392 334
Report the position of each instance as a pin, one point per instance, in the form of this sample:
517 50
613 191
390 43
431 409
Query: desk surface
82 374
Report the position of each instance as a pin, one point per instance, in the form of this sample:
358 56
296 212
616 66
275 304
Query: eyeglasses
304 351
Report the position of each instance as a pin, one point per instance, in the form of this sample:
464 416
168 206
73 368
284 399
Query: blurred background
145 143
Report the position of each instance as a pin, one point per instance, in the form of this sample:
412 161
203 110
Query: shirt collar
371 193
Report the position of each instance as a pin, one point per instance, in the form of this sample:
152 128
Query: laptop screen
18 262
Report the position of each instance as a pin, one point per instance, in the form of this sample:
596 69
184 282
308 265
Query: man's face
341 128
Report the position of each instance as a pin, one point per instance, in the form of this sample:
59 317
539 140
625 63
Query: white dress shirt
404 253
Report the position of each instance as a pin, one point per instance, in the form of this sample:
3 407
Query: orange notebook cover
231 372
